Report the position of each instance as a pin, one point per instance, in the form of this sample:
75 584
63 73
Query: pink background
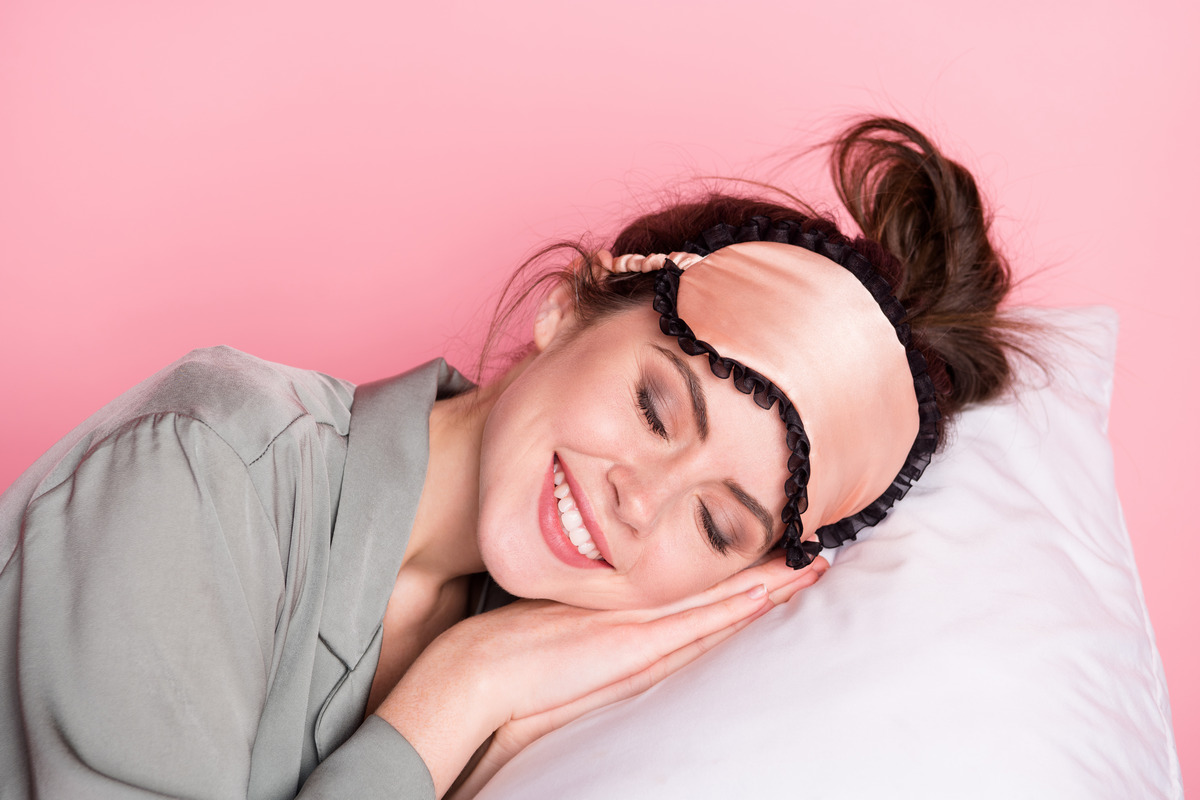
342 186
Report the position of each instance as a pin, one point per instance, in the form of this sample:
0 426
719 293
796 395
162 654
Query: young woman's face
675 476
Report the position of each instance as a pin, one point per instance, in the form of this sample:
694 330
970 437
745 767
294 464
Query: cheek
666 574
670 588
511 471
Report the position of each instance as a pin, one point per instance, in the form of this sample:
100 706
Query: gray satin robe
193 584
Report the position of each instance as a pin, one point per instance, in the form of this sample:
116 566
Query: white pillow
988 640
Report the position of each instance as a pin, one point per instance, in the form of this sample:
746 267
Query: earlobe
553 315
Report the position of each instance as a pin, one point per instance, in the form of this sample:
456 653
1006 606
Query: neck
443 544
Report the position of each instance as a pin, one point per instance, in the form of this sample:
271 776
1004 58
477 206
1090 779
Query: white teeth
572 520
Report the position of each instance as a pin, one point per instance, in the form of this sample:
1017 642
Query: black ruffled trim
765 393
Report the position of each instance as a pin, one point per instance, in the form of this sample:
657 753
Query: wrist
445 707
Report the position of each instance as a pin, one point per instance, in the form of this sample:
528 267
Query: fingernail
757 592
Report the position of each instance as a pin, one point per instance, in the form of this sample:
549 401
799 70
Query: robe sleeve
151 587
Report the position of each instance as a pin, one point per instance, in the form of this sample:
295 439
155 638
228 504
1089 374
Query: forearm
441 708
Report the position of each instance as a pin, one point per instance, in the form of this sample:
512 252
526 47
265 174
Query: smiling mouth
571 519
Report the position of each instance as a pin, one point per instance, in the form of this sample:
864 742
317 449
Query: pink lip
552 530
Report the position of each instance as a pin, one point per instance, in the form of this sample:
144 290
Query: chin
511 567
520 577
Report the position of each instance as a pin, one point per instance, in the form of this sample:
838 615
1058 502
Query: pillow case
989 639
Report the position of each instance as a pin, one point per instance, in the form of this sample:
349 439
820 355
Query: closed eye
649 408
719 541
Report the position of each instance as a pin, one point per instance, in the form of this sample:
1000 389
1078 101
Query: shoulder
244 401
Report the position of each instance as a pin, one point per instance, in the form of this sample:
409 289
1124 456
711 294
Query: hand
521 730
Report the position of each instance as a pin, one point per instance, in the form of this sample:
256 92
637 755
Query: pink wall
341 185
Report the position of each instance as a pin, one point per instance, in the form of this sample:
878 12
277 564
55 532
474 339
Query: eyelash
649 410
646 404
715 538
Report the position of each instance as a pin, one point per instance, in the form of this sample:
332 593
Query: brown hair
908 199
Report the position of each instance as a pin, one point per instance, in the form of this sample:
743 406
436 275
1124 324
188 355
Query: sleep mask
798 317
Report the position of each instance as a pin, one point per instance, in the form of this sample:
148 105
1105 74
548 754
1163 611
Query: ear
554 315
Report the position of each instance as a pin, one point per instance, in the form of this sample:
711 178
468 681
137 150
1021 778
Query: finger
685 655
790 590
776 574
520 732
772 574
538 725
673 631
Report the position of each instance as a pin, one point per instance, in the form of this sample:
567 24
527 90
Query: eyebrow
695 390
700 409
757 509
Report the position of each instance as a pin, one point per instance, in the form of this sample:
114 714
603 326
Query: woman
211 581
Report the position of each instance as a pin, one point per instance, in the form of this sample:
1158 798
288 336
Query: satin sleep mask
802 321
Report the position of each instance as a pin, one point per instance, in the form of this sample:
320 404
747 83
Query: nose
642 492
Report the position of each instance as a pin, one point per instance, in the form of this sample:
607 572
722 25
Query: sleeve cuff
377 761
